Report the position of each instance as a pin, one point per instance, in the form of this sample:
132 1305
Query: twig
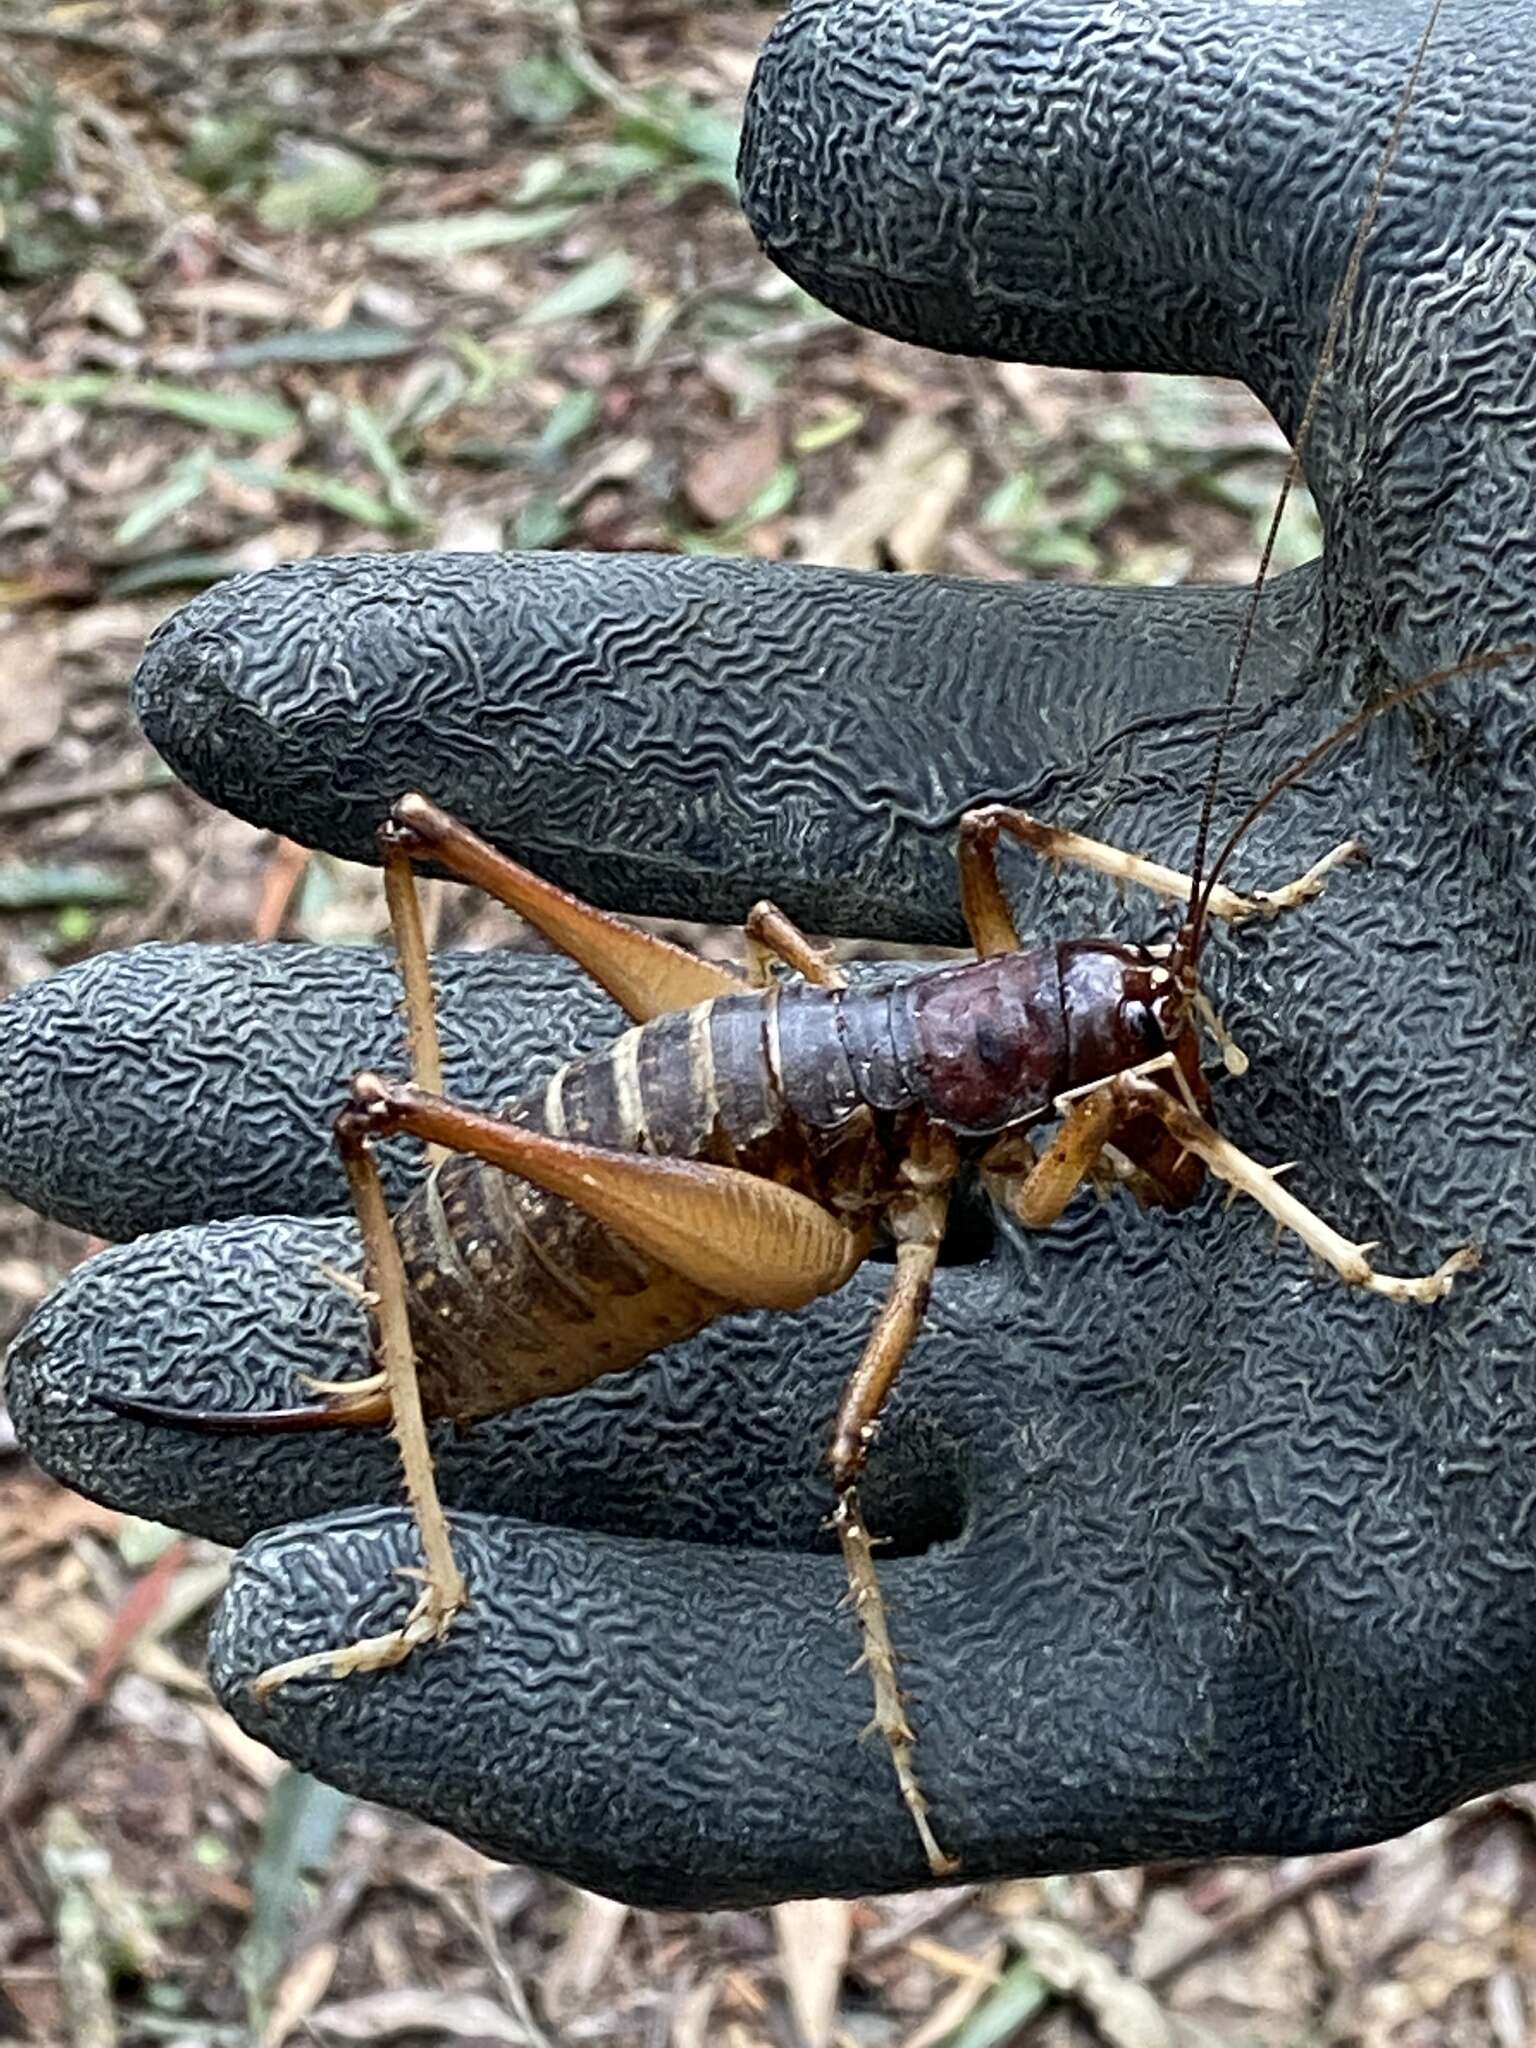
27 29
564 18
90 789
513 1994
438 155
263 49
290 49
279 884
598 80
1245 1920
26 1779
785 339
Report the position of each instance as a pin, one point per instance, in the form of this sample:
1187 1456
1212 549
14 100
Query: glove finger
1038 185
176 1084
1075 185
719 1439
168 1084
678 1726
681 736
669 1723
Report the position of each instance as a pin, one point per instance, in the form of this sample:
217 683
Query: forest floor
297 277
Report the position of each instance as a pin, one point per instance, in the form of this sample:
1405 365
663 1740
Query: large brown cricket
744 1147
748 1141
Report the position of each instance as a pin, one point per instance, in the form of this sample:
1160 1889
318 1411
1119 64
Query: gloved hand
1192 1553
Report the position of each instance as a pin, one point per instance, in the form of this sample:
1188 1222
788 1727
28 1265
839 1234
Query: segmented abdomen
516 1294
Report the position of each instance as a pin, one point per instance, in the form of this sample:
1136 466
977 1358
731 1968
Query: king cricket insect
747 1147
749 1141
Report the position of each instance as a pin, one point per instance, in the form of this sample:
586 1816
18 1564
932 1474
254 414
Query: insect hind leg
646 976
443 1591
917 1222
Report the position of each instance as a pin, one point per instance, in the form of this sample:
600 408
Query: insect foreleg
1038 1197
1248 1177
986 909
1101 1140
1270 902
645 975
443 1592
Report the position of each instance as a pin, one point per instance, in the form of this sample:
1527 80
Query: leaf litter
284 282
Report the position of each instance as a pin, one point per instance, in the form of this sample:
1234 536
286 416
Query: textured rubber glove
1193 1553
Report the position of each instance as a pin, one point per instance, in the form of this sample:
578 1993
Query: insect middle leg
773 936
917 1222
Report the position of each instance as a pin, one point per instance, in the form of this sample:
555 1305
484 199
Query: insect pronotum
748 1141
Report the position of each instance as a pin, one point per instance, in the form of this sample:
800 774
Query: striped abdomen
516 1294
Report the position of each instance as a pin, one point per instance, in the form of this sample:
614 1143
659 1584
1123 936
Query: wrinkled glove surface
1194 1553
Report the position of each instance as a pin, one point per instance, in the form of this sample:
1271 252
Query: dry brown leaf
916 541
25 1281
30 1523
1169 1927
238 298
65 580
1022 383
1253 1988
723 481
293 541
126 626
616 462
813 1937
467 530
261 1765
903 498
1427 1978
1410 1887
1015 1895
1509 2017
31 691
884 379
106 301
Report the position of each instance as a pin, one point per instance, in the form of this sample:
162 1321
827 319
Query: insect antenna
1474 664
1186 951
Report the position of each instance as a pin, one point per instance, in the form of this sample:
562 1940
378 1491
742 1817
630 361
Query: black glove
1194 1553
